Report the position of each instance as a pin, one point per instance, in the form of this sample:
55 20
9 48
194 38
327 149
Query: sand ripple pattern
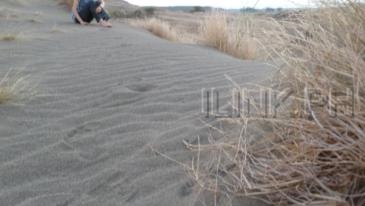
105 98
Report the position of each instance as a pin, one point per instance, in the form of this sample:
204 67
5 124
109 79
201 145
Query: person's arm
76 13
100 7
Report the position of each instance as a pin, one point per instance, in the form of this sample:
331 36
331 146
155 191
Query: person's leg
85 15
105 19
104 15
92 9
100 15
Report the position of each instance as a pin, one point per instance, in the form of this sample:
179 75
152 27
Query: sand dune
104 98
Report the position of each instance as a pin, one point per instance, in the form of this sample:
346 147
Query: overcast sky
223 3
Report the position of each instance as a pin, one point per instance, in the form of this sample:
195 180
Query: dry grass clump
157 27
314 155
13 86
56 29
8 37
230 35
5 95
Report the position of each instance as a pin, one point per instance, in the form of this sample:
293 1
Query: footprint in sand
82 129
186 189
141 87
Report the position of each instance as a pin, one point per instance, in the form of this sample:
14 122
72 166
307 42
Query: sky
228 4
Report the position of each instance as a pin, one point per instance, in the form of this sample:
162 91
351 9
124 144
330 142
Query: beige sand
104 98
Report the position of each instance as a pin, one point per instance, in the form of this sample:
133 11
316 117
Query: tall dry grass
312 156
157 27
229 34
221 31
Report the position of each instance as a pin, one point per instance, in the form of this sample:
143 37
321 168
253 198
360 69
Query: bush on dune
310 157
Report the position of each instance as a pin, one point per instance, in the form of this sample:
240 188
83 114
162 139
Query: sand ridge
105 97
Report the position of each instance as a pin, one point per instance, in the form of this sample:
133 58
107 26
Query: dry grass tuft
13 86
308 157
230 35
157 27
5 95
56 29
8 37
